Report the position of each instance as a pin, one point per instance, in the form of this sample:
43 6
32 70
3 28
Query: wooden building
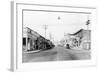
29 36
81 39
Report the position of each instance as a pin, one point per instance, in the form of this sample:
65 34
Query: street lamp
59 18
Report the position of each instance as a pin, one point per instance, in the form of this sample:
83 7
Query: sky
56 28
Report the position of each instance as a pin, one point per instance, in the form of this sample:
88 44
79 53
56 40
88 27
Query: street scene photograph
55 36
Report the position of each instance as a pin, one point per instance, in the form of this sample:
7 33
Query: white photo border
17 37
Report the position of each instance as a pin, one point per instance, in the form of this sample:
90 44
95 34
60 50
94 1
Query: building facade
29 36
79 40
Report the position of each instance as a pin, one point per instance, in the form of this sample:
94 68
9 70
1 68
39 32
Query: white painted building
79 40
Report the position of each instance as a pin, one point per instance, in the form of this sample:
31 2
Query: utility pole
51 36
88 22
45 29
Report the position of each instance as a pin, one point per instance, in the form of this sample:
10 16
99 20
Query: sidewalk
34 51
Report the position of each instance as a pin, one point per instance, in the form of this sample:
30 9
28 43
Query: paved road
56 54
